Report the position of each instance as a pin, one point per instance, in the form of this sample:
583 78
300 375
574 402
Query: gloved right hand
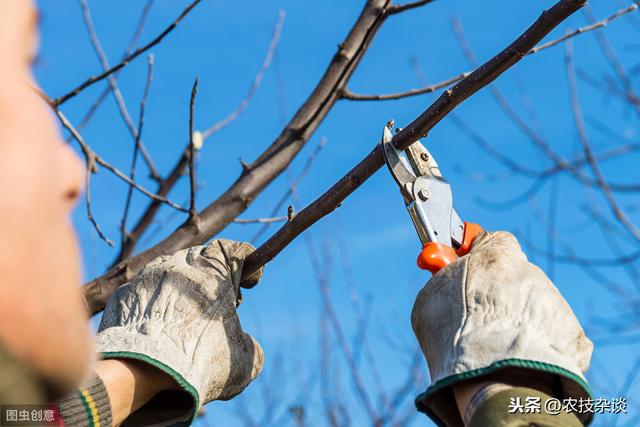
493 314
179 315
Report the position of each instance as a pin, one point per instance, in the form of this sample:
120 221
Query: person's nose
72 172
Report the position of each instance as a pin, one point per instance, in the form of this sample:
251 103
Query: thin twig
292 188
593 26
88 152
192 154
609 232
115 89
360 342
397 8
103 95
172 178
347 94
618 213
523 125
269 220
615 63
608 87
570 257
90 168
354 371
136 149
91 80
568 166
257 80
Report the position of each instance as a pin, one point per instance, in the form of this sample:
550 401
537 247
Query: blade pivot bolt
424 194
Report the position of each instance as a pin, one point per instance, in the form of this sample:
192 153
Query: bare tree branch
581 30
90 169
91 80
616 65
167 183
103 95
266 63
192 155
88 153
537 138
270 220
136 149
478 79
567 166
586 147
292 188
347 94
265 168
354 371
113 85
397 8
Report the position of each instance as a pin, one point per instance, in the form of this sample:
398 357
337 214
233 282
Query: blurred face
42 318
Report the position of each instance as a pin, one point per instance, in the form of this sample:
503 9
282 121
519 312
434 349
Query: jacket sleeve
518 407
88 406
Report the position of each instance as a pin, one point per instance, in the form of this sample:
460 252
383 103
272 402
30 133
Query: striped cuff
88 406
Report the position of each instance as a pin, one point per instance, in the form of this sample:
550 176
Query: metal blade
457 228
403 175
422 161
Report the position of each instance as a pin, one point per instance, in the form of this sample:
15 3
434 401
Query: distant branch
260 173
347 94
113 85
582 30
270 220
89 153
136 149
523 125
90 169
172 178
397 8
91 80
103 95
293 186
586 147
257 80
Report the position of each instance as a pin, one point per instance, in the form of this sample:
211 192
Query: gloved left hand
179 315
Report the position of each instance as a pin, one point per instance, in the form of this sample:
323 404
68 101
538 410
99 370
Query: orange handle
435 256
471 230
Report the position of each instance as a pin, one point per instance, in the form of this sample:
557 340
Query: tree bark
419 128
256 176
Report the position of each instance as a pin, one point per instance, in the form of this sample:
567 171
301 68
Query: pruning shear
427 197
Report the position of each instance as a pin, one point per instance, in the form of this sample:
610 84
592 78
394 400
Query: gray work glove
493 312
179 315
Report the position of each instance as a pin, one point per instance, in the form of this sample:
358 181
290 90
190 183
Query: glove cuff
187 417
112 342
439 404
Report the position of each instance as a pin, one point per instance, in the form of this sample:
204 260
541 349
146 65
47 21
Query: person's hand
179 315
493 316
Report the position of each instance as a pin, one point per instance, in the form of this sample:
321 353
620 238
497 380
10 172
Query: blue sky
223 43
